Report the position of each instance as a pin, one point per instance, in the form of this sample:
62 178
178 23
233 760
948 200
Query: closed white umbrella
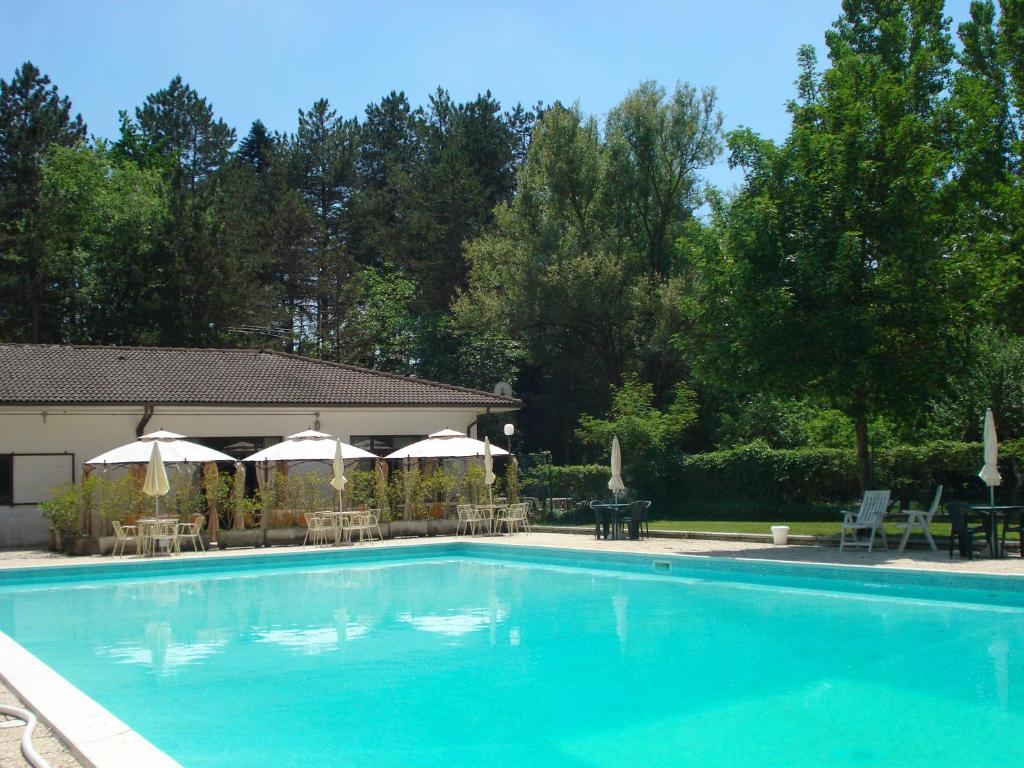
990 470
446 444
156 483
615 485
173 450
488 470
339 480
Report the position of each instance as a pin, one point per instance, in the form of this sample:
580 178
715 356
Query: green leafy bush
577 481
761 474
68 505
359 491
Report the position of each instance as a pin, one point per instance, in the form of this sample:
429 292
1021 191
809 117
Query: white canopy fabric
990 471
615 485
173 450
309 445
446 444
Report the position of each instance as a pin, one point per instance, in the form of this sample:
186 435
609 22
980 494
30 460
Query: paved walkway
49 747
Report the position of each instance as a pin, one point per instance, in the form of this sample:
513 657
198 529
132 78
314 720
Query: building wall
83 432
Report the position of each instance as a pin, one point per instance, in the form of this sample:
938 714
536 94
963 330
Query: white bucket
780 534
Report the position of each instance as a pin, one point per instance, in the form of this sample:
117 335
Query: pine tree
33 117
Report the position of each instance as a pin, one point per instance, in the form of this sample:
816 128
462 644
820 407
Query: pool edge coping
94 735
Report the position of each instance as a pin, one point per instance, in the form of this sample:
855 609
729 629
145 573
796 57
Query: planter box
441 527
444 527
408 528
82 545
276 537
232 538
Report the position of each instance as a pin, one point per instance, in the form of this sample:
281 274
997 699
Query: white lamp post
510 429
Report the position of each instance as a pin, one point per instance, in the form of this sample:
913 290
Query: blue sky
267 60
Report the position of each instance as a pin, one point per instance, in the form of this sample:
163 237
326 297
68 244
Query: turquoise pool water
456 659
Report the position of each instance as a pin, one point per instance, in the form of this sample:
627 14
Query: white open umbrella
339 480
990 471
309 445
446 444
173 450
615 485
156 483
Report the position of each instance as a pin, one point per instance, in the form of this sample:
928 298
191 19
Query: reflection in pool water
464 662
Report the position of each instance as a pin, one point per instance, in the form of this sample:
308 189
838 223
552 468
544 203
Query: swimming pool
470 655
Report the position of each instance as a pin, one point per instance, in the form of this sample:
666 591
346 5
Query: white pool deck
75 731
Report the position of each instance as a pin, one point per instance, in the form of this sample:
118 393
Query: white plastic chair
364 523
870 517
513 518
922 518
125 534
469 519
316 530
165 531
191 532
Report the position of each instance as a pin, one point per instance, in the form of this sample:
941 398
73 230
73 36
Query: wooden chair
870 517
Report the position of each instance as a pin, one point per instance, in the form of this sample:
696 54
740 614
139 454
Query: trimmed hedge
577 481
823 475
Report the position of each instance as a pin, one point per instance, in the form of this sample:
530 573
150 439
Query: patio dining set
342 526
860 528
494 518
150 535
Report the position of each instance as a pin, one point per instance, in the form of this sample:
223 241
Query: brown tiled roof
43 373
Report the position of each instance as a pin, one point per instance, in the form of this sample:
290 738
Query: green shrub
471 488
68 505
579 481
359 491
802 476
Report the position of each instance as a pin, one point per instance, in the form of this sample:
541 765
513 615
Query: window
6 479
382 445
238 447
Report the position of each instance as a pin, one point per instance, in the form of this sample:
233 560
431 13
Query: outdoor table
993 522
338 521
615 508
147 528
491 511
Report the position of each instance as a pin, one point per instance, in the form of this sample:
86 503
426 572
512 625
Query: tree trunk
860 417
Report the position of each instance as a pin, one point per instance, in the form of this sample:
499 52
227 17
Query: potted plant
435 492
66 510
403 501
115 498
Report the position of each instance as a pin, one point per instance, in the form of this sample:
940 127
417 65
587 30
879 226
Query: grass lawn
798 528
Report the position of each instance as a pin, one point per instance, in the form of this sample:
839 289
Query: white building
62 405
